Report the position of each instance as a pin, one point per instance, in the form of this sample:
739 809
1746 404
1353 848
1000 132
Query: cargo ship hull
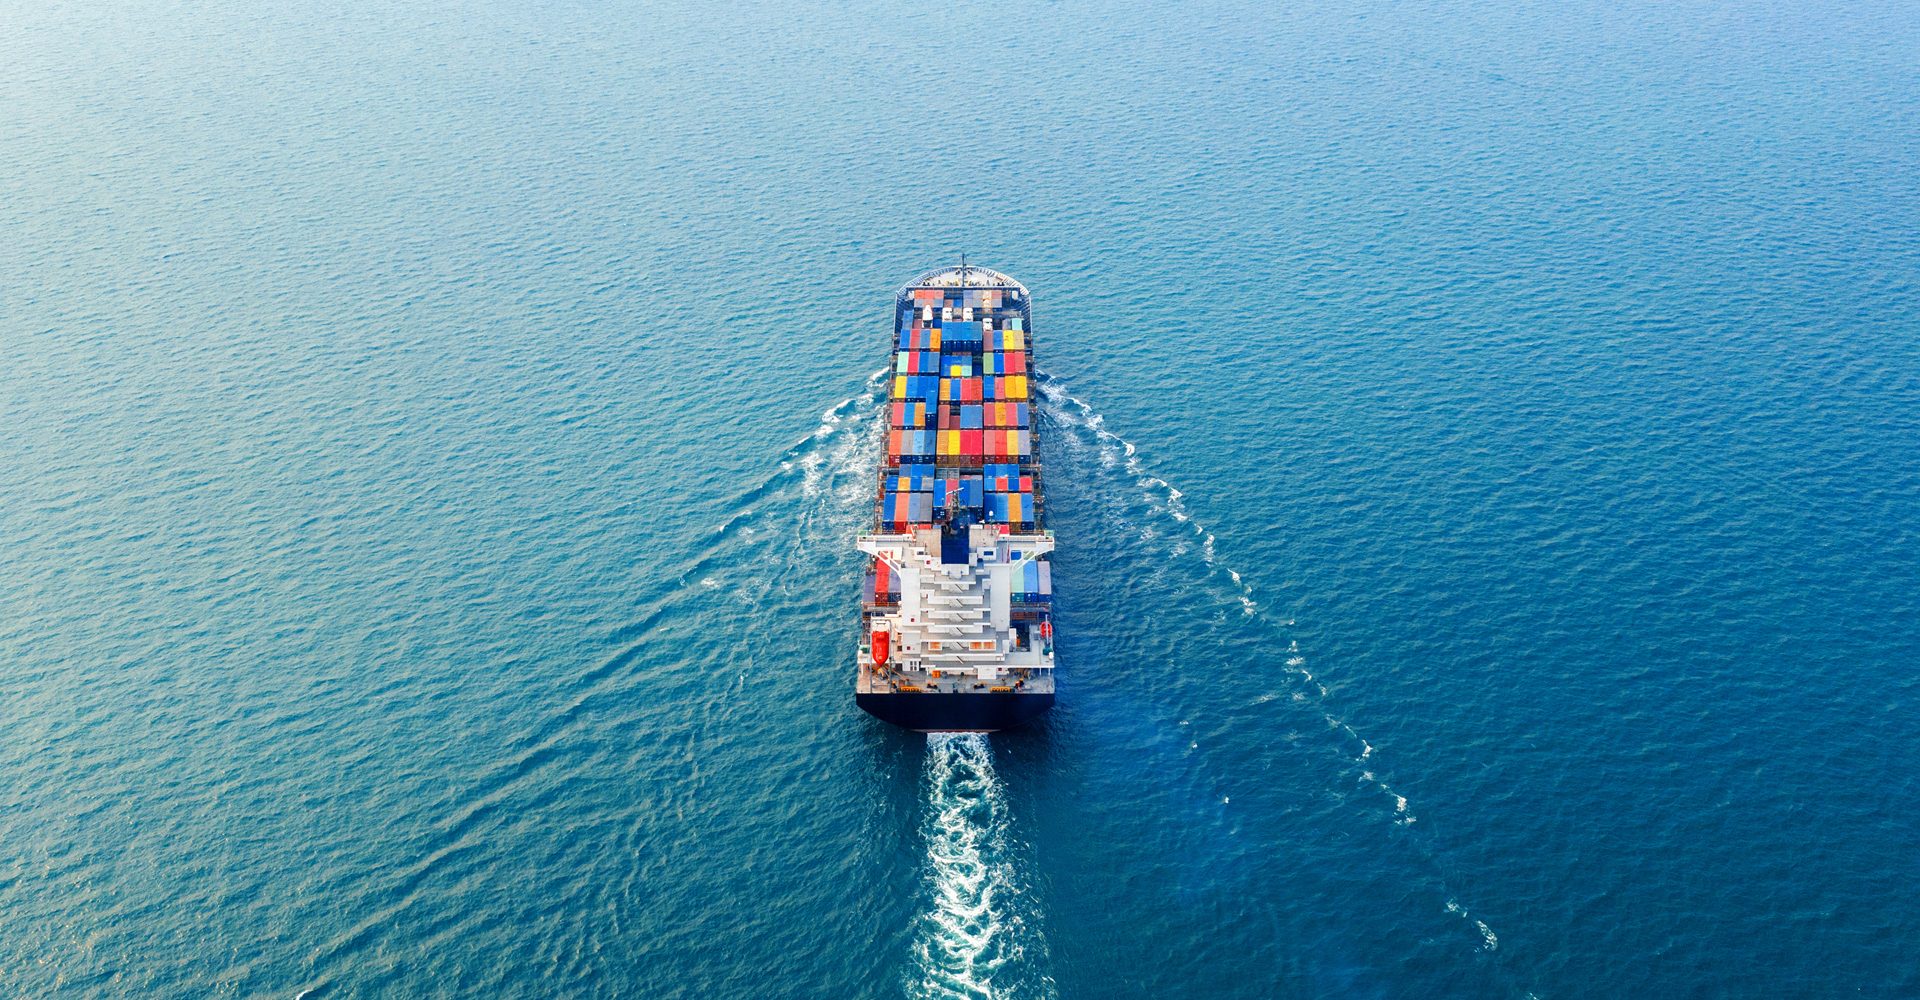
957 619
956 713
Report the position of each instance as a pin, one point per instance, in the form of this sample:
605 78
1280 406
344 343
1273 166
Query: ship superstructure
957 618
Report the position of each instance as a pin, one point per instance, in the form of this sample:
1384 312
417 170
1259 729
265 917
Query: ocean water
1484 443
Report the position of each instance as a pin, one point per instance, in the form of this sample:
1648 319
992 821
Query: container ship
957 616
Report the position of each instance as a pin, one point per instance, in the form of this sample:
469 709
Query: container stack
960 405
882 587
1035 585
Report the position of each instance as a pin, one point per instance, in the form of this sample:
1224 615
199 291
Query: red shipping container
970 390
893 443
971 442
882 577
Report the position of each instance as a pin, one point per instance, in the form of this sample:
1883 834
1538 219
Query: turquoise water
1484 446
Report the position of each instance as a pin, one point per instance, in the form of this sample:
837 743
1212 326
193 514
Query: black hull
948 713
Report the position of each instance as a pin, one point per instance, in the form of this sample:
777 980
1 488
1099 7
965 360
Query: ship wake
971 940
1086 430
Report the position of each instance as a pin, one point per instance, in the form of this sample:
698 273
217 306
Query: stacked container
1035 585
960 409
882 586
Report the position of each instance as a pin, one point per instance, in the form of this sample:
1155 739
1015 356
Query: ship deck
890 680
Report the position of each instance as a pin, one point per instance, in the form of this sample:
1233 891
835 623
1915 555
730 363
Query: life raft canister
882 645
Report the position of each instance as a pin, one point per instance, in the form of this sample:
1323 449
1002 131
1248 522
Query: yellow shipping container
949 442
1016 387
1016 511
1015 341
899 387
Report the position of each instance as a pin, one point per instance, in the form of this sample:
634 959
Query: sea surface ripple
1483 442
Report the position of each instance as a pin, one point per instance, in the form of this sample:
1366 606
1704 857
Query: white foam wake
971 939
1162 497
831 455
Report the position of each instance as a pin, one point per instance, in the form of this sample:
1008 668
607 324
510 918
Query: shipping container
911 414
960 432
1006 388
1004 415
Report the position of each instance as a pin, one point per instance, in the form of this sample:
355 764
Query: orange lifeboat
882 645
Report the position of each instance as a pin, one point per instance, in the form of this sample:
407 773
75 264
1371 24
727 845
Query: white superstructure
956 627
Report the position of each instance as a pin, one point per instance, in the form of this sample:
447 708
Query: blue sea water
1483 440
